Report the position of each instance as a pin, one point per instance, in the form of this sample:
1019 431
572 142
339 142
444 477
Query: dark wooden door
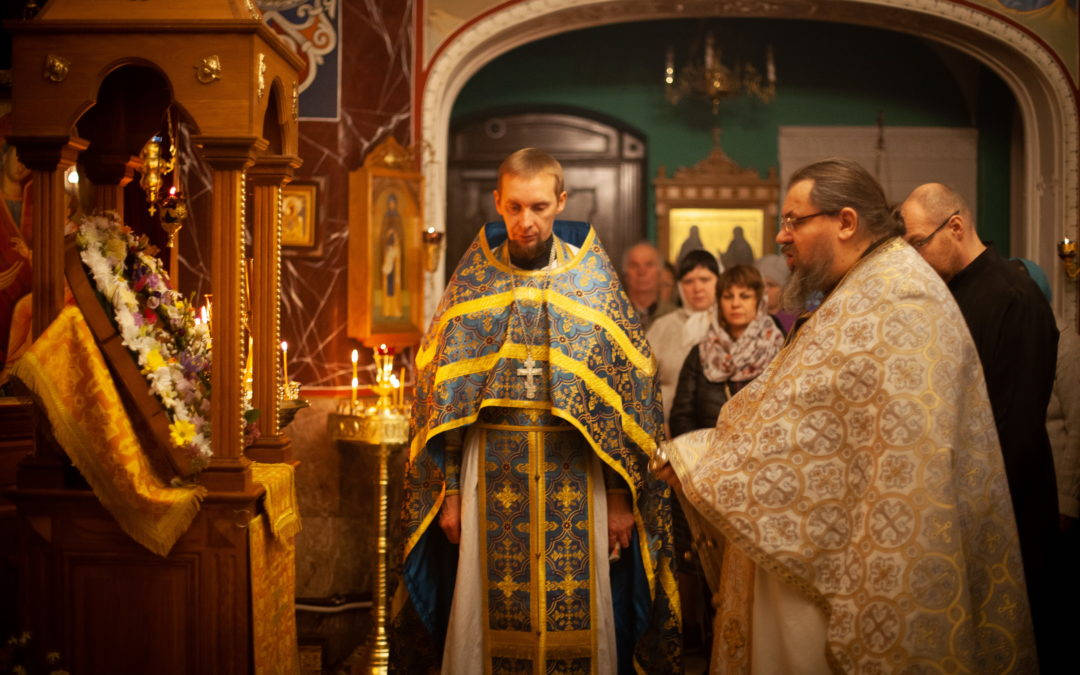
603 165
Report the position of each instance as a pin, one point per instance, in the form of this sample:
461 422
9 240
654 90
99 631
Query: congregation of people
859 454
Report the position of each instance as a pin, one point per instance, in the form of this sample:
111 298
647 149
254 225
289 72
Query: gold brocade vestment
862 469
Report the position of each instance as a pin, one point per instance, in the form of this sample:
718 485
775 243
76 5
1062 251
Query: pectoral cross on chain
528 372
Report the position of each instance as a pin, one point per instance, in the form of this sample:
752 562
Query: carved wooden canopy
716 182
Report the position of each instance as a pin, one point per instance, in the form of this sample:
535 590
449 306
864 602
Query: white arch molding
1050 184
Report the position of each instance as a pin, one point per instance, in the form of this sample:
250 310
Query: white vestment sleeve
607 656
464 650
788 630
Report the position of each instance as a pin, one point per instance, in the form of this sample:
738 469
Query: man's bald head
938 222
939 201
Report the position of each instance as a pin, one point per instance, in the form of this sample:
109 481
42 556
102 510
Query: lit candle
285 363
355 356
770 66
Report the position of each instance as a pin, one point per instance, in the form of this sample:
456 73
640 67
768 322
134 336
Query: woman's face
698 288
738 307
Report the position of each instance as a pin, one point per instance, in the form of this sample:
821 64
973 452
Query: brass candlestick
1066 250
383 426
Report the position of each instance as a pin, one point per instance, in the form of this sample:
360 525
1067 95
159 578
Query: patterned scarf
743 359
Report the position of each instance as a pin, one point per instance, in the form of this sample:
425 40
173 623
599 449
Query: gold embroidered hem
67 372
862 468
282 509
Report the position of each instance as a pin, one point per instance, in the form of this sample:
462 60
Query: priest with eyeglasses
851 505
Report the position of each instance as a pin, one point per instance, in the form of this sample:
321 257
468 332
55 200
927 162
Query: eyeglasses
919 243
789 222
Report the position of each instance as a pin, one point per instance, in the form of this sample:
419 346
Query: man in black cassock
1016 337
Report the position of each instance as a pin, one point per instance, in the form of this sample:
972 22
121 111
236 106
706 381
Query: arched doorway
1047 185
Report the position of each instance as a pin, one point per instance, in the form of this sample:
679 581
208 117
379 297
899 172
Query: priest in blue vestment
534 538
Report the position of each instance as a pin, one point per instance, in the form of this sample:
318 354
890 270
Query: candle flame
355 356
284 346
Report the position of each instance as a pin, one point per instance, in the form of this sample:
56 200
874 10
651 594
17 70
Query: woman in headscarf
741 340
673 335
774 272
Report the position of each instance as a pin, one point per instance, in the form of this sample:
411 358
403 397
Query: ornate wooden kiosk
87 589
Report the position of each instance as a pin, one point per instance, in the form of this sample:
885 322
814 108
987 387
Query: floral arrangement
156 324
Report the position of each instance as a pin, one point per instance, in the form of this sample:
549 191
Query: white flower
104 248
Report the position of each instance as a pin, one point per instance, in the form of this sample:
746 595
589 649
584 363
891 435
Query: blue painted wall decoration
312 29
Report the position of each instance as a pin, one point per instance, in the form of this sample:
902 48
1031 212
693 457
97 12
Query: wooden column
48 157
229 470
109 173
267 176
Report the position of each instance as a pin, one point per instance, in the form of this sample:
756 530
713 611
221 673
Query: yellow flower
153 361
116 249
181 432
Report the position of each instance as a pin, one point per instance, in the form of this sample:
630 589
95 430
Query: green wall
829 74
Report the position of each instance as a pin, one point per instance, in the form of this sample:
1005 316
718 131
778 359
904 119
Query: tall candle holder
383 426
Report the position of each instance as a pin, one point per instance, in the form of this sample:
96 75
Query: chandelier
715 81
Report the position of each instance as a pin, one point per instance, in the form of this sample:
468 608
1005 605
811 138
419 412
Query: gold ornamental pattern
863 468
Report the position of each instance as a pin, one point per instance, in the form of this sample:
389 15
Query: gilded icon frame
385 291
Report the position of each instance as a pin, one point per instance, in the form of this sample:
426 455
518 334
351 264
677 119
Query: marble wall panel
335 482
376 91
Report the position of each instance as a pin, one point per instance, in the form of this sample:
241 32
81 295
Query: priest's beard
530 257
520 252
808 278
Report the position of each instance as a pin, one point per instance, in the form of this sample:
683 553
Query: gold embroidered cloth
280 503
273 594
863 468
67 372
